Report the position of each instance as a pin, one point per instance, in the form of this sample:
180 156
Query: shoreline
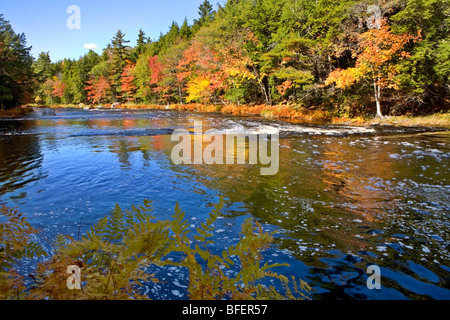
284 113
15 112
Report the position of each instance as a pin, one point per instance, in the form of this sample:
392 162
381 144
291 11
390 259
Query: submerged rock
48 113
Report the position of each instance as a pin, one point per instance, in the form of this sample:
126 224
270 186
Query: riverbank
287 113
15 112
434 120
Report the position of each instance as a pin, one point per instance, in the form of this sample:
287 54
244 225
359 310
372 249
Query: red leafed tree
156 69
127 78
169 88
58 88
201 68
98 89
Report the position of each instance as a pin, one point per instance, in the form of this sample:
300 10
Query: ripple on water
344 197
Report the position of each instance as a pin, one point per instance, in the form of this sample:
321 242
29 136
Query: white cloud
90 46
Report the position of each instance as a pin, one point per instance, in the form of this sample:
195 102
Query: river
344 198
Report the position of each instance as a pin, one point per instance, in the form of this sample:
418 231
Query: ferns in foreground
117 252
15 245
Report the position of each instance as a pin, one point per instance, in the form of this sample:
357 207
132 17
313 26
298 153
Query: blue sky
44 22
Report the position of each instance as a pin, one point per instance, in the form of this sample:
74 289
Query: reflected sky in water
344 198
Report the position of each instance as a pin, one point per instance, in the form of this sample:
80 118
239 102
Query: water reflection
20 158
339 202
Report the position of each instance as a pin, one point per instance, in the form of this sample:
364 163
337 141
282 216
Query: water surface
344 198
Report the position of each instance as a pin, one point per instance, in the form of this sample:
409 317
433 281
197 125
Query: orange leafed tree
128 87
156 69
209 70
154 76
378 50
98 89
284 87
201 69
235 62
58 88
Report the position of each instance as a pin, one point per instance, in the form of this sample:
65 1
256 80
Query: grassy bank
15 112
434 120
289 113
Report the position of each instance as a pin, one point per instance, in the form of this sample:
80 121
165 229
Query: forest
345 198
349 57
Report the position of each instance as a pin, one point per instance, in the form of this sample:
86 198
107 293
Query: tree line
331 54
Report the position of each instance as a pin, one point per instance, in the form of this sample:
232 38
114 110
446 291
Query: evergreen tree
173 34
141 42
205 12
90 60
185 30
16 72
43 67
120 54
119 48
425 75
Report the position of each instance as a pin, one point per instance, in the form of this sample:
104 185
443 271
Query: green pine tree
120 53
205 12
141 42
16 71
185 30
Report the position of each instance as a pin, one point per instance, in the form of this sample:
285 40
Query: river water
344 198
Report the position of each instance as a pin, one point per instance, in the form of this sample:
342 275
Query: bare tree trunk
180 94
378 99
262 85
264 91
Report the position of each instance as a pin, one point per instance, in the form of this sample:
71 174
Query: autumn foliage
58 88
318 55
98 89
156 69
377 51
128 87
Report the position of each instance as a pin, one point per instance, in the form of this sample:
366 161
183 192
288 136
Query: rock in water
48 113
